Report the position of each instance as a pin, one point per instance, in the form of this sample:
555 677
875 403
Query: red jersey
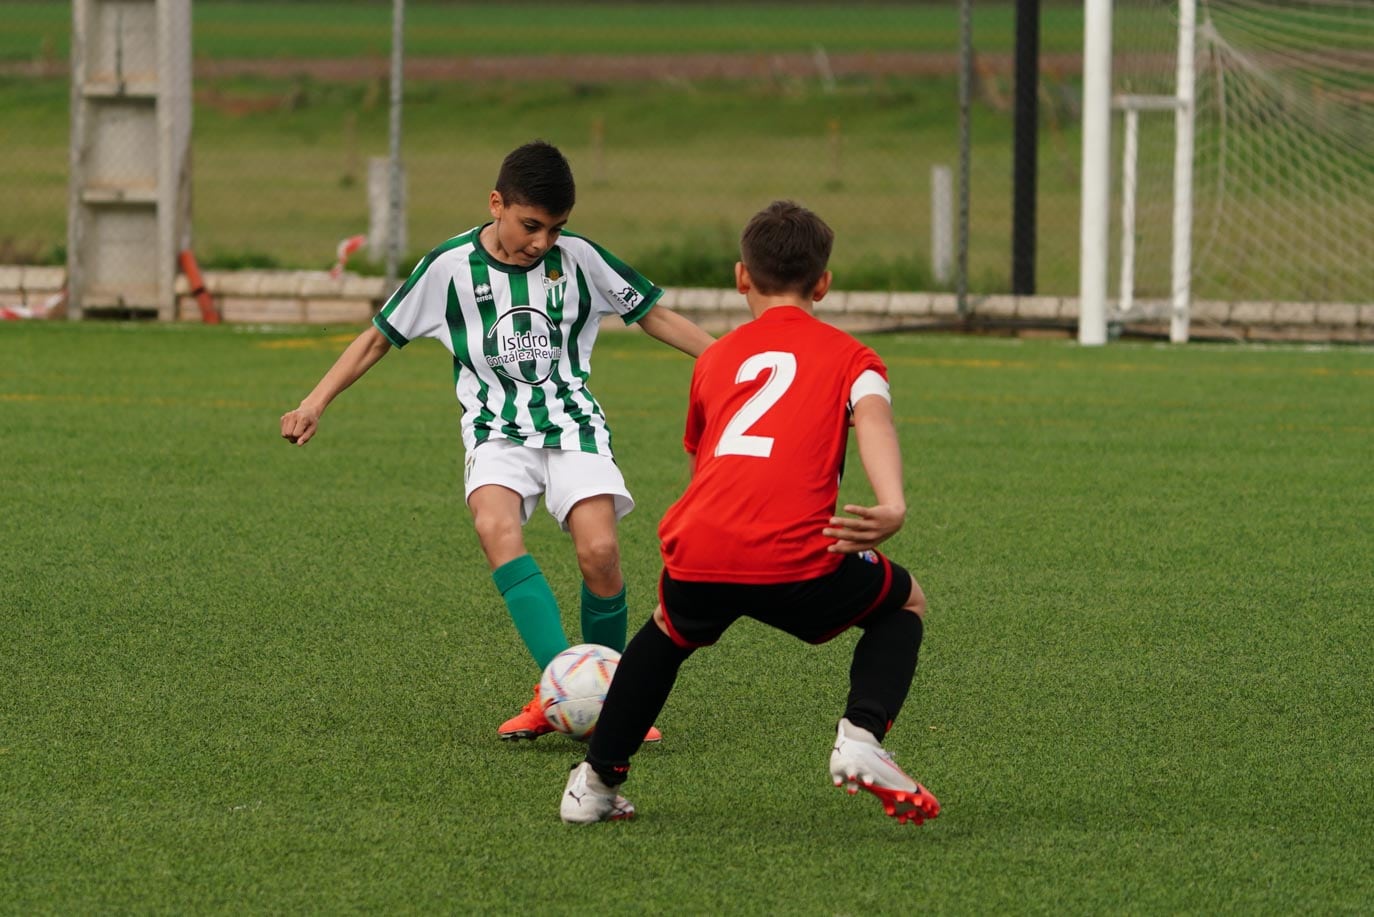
767 421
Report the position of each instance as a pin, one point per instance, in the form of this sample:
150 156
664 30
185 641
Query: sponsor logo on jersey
483 292
525 355
628 297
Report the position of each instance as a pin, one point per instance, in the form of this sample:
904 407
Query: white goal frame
1096 177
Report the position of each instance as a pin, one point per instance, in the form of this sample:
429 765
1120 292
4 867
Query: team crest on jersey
870 557
555 288
522 346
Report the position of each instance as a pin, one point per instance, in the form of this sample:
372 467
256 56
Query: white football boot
858 760
587 799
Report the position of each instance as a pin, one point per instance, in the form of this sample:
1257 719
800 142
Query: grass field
241 677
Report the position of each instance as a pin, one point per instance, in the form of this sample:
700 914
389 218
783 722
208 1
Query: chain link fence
680 121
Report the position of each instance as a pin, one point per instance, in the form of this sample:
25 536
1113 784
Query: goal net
1282 203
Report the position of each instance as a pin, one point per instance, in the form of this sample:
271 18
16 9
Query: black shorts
814 610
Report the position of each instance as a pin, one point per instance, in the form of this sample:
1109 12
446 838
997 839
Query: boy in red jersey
756 533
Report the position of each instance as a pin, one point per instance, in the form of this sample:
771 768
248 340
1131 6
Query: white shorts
564 478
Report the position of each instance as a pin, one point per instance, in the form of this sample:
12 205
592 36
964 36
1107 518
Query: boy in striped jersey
518 301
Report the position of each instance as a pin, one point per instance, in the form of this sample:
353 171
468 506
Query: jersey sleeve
867 376
616 286
417 308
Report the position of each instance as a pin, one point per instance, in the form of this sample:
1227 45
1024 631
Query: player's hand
299 426
865 527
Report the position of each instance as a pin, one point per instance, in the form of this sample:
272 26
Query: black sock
880 675
642 682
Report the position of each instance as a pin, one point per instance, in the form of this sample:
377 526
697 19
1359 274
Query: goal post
1098 104
1259 189
1095 200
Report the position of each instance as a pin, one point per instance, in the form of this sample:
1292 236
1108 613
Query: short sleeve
416 309
867 375
616 285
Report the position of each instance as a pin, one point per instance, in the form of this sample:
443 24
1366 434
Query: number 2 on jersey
735 439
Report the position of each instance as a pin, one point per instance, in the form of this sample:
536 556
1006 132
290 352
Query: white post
393 236
1096 193
941 224
1128 189
1183 173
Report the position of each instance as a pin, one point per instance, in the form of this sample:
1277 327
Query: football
573 688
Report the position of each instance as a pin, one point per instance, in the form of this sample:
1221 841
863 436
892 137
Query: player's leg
881 598
496 513
503 481
592 525
643 680
884 662
880 678
588 497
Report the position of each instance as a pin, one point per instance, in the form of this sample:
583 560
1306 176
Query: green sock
603 619
532 607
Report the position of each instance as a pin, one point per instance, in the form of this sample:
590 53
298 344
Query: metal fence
680 121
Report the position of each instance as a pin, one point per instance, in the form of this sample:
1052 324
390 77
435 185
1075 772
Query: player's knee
916 602
495 530
599 557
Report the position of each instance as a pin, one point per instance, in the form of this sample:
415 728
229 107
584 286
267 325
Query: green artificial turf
244 677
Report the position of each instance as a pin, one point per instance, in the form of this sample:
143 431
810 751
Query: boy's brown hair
786 248
537 174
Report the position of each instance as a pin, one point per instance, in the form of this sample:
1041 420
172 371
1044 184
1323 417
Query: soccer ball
573 688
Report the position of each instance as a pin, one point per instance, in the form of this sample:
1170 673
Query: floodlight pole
393 233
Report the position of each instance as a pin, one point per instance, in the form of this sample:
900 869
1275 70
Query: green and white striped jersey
521 337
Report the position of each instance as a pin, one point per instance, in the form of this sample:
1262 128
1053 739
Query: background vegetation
669 167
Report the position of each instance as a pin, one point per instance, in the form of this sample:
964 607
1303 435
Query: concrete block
1338 314
833 305
11 278
263 310
370 288
187 309
1295 313
700 299
234 283
1038 307
318 284
944 304
867 303
343 311
1210 310
997 306
909 305
44 279
1252 313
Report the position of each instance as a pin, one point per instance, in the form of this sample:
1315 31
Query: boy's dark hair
785 248
537 175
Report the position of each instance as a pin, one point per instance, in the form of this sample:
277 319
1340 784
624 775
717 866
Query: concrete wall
314 297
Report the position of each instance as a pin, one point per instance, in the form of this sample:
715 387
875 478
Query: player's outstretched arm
299 426
868 526
675 330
